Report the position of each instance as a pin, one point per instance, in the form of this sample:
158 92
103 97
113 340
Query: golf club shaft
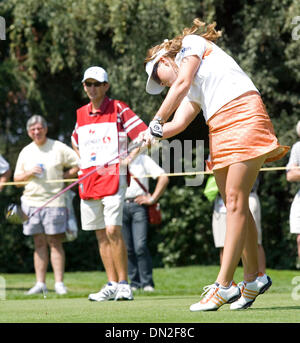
123 154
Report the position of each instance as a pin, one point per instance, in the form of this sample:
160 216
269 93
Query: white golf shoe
214 296
39 287
108 292
148 288
60 288
124 292
250 290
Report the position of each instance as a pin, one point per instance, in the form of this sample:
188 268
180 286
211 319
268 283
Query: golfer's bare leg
57 256
235 183
40 257
250 251
261 259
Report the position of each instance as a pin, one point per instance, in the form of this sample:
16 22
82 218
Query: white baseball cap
96 73
153 87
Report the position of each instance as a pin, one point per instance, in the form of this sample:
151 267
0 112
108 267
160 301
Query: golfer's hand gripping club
152 135
156 129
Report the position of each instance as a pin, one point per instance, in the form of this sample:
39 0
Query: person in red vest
102 130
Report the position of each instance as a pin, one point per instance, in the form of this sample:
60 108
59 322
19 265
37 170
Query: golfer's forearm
174 97
171 129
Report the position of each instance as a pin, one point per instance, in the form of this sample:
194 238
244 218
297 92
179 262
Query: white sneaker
108 292
124 292
149 289
39 287
214 296
250 290
60 288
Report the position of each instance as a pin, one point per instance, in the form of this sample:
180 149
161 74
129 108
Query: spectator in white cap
102 130
95 73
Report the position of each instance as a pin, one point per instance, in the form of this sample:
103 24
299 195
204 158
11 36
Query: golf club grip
131 147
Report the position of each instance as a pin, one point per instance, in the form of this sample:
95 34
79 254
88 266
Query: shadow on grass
164 298
17 288
26 289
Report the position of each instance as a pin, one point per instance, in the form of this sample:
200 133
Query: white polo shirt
142 165
294 159
219 78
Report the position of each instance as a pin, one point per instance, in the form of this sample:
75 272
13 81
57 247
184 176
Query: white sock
60 283
113 283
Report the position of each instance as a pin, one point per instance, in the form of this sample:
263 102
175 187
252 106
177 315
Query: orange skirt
242 130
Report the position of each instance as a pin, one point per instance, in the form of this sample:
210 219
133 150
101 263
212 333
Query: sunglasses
154 75
95 84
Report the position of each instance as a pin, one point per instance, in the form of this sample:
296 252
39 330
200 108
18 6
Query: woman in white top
202 76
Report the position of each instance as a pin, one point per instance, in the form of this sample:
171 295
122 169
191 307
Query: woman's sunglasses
95 84
154 75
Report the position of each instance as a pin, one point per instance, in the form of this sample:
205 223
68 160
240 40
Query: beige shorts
219 222
97 214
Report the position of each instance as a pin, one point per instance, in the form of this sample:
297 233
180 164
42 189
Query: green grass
176 290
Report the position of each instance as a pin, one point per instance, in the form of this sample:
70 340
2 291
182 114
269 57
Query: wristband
152 200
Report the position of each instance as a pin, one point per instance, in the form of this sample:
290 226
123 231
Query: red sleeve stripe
132 126
130 121
125 109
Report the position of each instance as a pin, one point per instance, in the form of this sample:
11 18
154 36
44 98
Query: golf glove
156 129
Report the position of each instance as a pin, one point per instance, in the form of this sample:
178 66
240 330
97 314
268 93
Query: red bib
98 142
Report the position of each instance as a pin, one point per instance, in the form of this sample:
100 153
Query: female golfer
241 136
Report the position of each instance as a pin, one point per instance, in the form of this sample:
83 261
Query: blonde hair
173 46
